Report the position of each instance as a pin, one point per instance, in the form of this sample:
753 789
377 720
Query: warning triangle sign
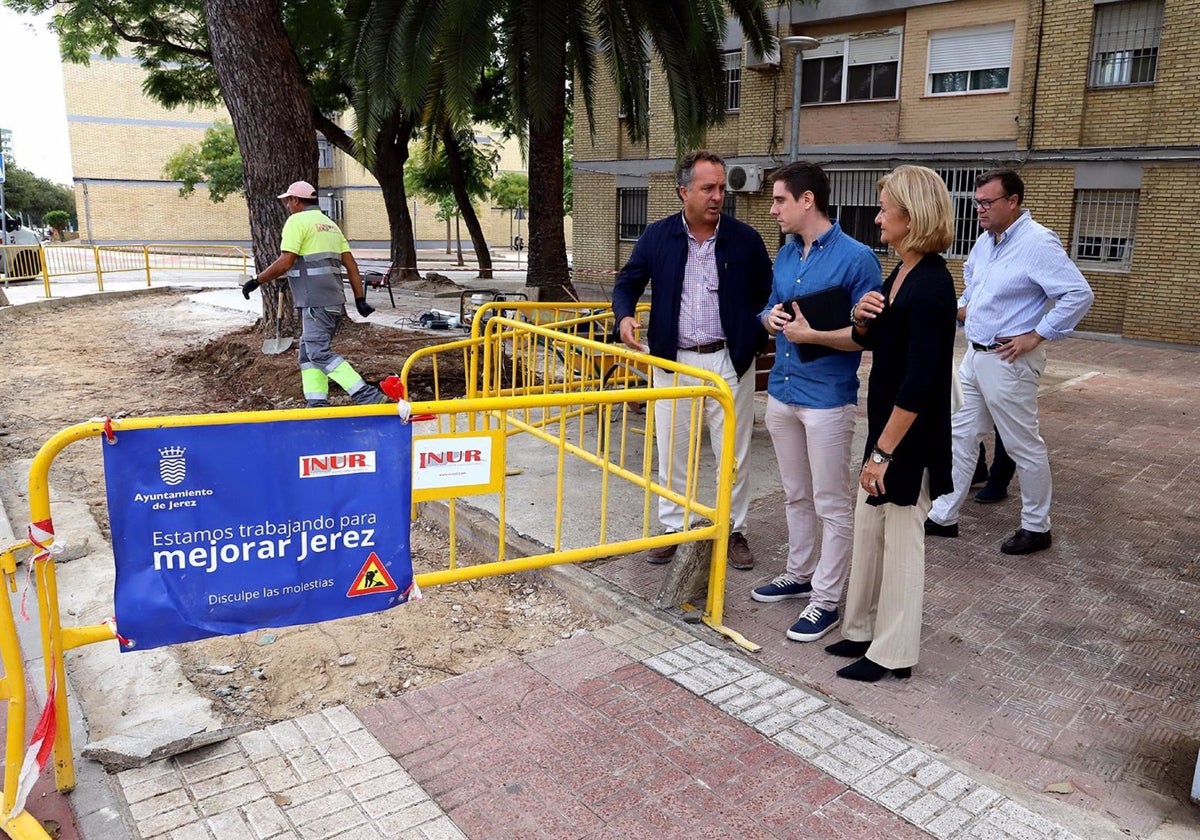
372 578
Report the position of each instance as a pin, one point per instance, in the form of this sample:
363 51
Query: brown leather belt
985 348
711 347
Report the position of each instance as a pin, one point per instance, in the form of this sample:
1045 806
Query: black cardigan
911 365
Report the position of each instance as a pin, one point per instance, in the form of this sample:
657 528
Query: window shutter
828 49
1128 26
876 50
978 48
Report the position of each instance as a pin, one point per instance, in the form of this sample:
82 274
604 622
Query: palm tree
410 51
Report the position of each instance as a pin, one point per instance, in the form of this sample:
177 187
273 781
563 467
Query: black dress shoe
864 670
990 494
1026 542
848 648
934 529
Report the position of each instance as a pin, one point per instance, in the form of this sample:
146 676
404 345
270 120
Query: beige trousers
887 579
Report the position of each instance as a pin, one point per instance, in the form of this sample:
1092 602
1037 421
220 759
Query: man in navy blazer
710 277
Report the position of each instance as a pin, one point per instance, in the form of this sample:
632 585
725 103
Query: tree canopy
35 196
215 161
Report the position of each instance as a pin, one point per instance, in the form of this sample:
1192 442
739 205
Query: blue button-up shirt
1011 283
834 258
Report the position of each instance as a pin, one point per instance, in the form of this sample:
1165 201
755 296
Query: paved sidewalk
637 730
1077 665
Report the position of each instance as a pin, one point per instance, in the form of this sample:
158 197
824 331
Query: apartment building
121 140
1091 100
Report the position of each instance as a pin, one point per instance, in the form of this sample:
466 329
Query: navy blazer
744 284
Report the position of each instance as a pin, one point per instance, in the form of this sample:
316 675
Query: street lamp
799 43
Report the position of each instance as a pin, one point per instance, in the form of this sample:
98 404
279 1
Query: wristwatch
878 456
856 322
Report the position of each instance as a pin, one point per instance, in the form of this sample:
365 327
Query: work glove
364 308
249 286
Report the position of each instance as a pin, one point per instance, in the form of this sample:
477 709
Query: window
854 202
729 205
851 69
961 184
1104 223
324 154
333 205
733 80
621 113
1125 43
632 210
967 60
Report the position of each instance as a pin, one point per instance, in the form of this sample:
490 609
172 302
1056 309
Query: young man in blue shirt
812 396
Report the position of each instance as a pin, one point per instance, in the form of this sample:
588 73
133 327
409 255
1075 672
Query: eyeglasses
986 203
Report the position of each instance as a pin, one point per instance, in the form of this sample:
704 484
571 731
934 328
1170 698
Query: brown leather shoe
662 554
740 556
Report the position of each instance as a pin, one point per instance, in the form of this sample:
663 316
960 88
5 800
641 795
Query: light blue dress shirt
1023 282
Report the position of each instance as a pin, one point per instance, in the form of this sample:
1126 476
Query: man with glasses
1021 289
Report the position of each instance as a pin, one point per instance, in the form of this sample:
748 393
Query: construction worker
313 253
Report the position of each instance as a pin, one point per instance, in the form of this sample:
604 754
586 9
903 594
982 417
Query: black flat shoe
848 648
934 529
864 670
1026 542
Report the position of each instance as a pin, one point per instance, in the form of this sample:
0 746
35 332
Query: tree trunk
458 181
272 118
548 270
391 153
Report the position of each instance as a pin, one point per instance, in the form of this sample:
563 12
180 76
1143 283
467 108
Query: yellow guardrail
92 263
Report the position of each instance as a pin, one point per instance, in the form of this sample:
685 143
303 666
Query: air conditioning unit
742 177
761 61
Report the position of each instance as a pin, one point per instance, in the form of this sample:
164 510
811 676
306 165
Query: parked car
20 263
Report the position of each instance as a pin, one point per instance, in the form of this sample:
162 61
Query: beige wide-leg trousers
887 579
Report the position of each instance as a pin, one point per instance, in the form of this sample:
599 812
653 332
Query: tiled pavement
1079 664
639 730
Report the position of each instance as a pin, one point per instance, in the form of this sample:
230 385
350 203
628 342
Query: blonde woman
909 326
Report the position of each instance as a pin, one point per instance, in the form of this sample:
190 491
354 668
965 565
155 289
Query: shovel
275 346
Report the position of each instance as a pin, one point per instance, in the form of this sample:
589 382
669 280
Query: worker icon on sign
371 580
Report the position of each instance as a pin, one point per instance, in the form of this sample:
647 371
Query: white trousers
887 580
995 391
672 423
812 446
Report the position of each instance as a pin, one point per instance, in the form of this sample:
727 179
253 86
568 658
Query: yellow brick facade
120 143
1139 140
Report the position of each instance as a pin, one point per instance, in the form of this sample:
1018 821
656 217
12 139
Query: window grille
851 69
961 184
733 80
729 205
964 60
632 210
1104 225
324 154
854 202
1125 41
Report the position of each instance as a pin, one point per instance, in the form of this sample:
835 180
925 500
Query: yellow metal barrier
77 263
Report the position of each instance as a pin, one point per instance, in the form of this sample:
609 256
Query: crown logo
172 466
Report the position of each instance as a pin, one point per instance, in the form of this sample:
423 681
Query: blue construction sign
219 530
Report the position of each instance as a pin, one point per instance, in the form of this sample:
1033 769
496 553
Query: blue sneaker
781 589
813 623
